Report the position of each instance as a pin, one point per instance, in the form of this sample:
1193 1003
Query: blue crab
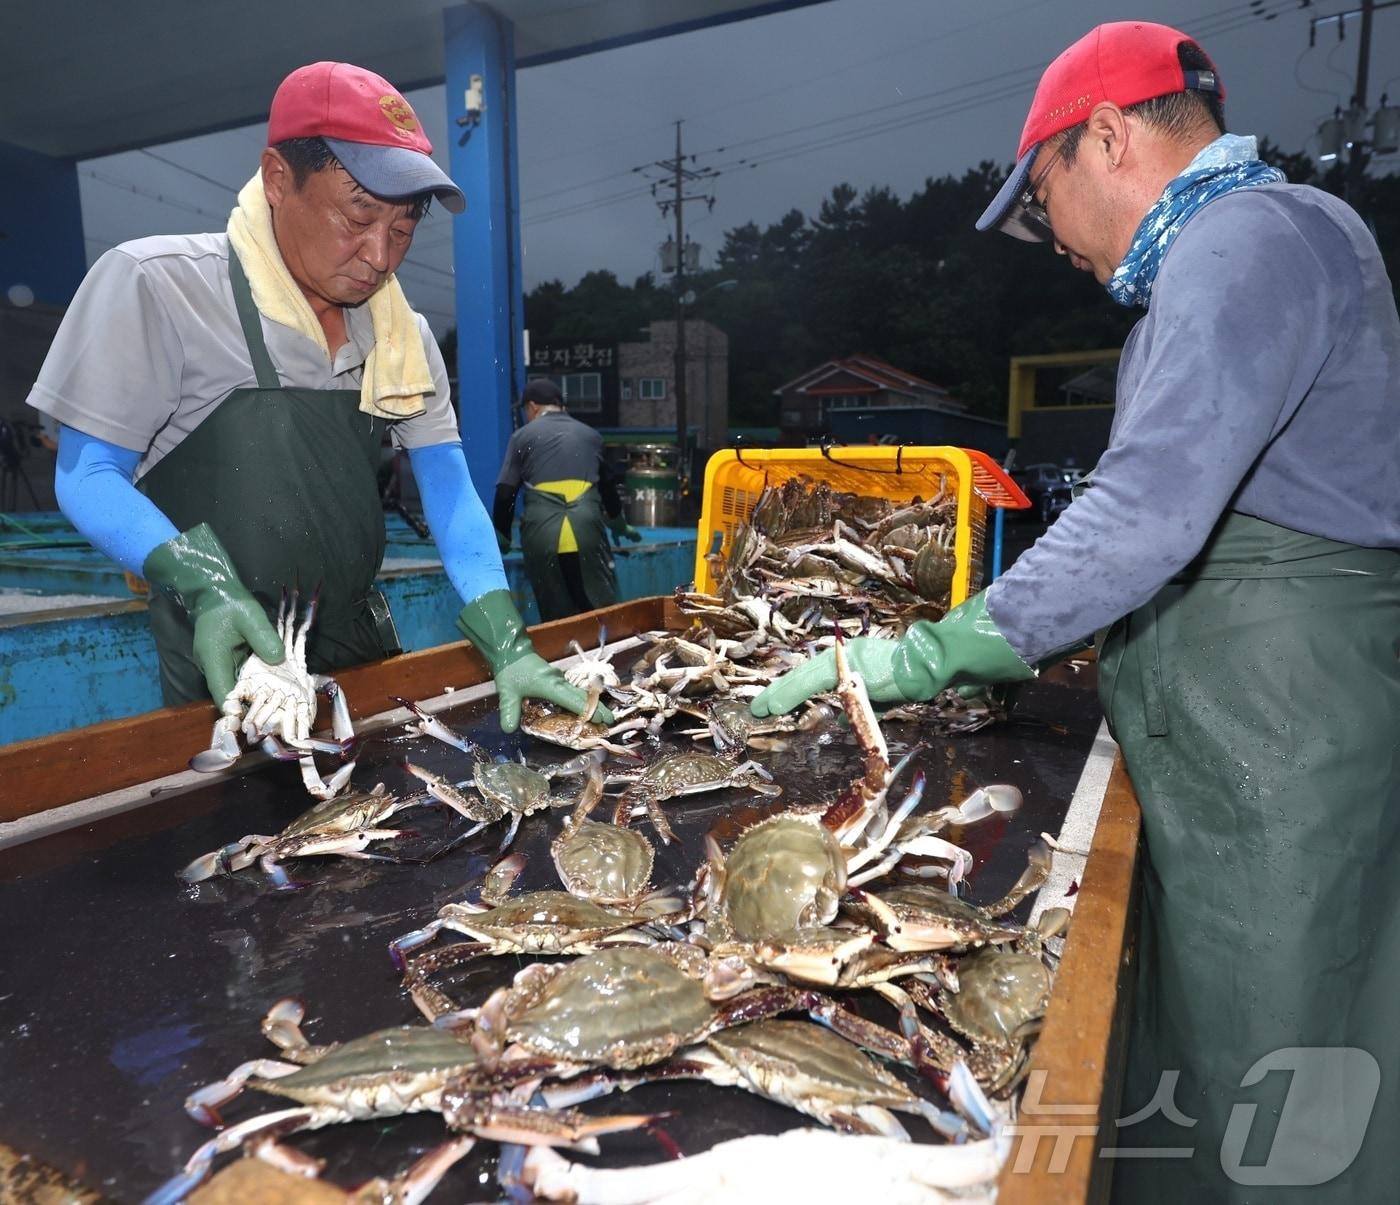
343 826
383 1074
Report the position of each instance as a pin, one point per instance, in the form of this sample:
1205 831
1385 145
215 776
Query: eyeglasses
1033 208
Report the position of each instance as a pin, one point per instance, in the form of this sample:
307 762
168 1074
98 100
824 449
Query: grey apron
539 542
287 478
1256 700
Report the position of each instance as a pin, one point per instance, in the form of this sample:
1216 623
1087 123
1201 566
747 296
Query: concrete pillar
486 238
41 228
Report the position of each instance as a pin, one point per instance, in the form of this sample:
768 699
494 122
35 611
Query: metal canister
653 485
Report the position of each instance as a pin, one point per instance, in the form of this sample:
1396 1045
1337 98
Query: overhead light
1329 139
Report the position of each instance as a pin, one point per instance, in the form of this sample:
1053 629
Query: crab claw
282 1025
969 1099
223 750
401 947
1000 797
205 867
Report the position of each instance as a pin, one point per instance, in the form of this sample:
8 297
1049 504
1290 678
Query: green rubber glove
492 623
965 647
195 570
623 530
503 541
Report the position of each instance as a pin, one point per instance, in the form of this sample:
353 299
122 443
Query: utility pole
682 178
1349 130
682 428
1356 161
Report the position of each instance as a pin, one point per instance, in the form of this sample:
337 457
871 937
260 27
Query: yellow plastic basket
734 479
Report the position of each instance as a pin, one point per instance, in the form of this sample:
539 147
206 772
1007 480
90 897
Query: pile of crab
875 562
823 957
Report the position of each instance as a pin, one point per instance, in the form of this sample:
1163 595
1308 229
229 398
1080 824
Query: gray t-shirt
1264 379
554 447
151 345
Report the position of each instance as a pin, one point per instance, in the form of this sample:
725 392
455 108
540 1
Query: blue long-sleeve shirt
1264 379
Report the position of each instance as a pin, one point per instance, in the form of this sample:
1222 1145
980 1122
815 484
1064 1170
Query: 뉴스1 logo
399 111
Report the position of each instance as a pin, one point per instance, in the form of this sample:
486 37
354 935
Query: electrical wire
1212 24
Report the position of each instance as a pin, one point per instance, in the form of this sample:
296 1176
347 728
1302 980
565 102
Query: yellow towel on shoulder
396 377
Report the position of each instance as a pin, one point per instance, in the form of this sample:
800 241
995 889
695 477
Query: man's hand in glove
623 530
492 623
195 570
963 648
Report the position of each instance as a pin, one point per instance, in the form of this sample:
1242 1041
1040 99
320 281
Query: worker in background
244 381
1241 543
571 501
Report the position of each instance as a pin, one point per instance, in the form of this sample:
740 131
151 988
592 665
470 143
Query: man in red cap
1241 544
223 400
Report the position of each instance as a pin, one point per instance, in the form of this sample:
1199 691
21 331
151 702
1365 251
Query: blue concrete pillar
41 227
486 238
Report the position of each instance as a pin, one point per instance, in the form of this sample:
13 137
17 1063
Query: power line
189 171
1214 24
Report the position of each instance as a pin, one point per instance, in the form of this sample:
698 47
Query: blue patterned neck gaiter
1226 164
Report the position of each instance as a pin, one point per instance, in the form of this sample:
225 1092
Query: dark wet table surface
123 989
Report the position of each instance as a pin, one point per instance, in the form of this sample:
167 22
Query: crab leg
285 1121
414 1186
523 1125
431 1001
445 792
203 1104
429 725
929 846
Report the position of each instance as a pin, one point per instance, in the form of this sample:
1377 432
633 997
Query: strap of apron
251 321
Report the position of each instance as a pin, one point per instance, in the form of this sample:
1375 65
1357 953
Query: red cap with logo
369 127
1125 62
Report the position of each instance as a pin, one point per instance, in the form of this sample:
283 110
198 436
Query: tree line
909 281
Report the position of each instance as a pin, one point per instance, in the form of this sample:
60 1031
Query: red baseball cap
1125 62
369 127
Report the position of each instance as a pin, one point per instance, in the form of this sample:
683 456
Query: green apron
287 478
1256 700
539 542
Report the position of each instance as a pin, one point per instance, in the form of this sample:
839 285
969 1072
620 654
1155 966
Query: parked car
1048 487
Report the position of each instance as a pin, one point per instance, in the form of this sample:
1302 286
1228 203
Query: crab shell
784 873
811 1069
381 1074
604 863
561 728
685 772
542 922
619 1008
514 787
932 919
343 813
1000 992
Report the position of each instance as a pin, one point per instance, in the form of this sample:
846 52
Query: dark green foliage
911 282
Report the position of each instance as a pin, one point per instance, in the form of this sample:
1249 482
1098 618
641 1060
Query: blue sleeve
1240 326
93 486
458 520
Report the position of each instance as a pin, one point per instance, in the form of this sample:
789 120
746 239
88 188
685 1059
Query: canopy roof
87 78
